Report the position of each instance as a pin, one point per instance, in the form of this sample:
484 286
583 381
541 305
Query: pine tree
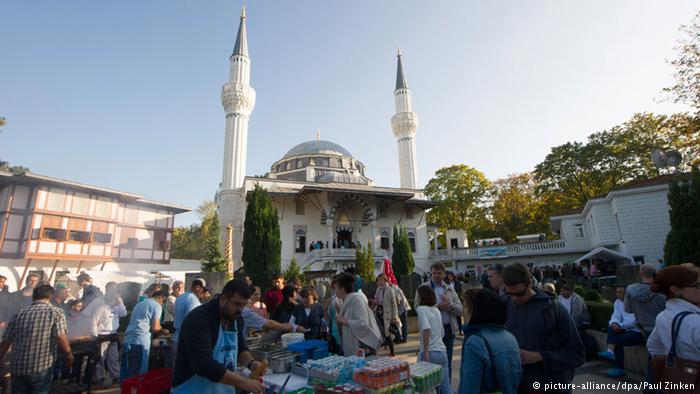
683 241
364 262
262 245
214 260
402 258
293 271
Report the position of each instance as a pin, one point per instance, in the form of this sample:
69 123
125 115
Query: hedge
600 314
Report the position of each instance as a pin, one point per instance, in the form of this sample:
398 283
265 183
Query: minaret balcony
237 97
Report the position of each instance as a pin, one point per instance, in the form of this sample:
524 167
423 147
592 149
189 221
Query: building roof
638 184
30 178
316 147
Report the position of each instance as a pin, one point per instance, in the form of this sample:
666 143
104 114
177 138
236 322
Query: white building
50 225
629 224
321 191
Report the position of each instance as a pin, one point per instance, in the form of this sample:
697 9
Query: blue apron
226 353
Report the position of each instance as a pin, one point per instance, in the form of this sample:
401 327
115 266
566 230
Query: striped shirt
33 335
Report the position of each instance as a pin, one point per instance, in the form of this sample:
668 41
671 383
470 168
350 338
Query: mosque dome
317 147
319 161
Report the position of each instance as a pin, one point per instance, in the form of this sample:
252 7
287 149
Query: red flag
389 272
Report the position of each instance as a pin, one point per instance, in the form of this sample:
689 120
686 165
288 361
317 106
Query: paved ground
591 373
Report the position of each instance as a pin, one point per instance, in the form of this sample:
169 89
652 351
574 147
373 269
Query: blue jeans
37 383
449 341
134 361
620 340
439 358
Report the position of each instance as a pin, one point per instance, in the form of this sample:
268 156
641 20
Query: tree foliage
189 242
575 172
460 192
687 67
683 241
293 271
214 260
364 262
262 245
16 170
401 258
517 209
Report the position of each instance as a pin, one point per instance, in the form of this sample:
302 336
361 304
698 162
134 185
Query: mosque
325 201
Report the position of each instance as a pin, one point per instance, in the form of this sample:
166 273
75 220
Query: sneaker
607 354
616 372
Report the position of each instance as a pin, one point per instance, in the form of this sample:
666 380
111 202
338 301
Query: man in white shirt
622 331
105 313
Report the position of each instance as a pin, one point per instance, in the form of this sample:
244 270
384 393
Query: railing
347 253
510 249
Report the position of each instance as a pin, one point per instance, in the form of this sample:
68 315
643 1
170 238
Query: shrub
600 314
593 295
578 289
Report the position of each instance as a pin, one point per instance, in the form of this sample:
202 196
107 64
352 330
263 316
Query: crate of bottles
382 372
426 376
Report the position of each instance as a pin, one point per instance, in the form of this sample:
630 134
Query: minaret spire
404 124
400 78
241 46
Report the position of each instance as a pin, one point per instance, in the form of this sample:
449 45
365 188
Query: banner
493 253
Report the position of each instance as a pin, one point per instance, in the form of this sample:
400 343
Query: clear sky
125 94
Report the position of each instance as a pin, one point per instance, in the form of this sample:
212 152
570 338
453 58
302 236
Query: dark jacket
312 322
283 312
543 325
198 336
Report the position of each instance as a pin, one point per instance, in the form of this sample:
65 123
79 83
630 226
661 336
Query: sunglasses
517 294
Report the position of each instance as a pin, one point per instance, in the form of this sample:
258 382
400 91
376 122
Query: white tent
605 254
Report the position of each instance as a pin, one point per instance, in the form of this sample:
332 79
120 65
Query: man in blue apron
211 344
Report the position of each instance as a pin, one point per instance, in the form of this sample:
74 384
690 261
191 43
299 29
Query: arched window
385 242
412 240
300 241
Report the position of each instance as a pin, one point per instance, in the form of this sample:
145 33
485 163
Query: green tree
683 241
575 172
401 258
214 260
460 193
364 262
262 245
189 242
293 271
517 209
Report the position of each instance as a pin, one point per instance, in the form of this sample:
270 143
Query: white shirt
688 342
105 319
566 302
439 291
625 320
430 318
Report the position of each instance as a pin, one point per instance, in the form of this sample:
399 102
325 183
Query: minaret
238 98
404 124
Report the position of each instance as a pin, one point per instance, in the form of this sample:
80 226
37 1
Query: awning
605 254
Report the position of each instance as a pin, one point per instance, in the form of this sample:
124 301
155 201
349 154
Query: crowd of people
517 333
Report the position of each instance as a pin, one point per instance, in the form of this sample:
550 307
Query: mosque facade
326 203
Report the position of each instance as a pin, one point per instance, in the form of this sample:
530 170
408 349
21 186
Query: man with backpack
550 346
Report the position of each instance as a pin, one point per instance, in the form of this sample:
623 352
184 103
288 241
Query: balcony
505 251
